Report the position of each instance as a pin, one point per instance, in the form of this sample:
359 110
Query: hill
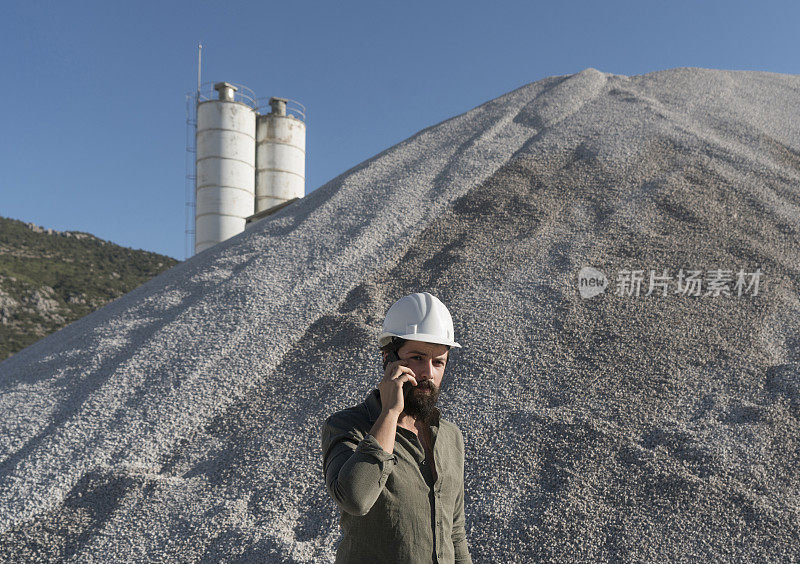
182 421
50 278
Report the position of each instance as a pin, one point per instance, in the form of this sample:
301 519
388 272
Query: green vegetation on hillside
49 279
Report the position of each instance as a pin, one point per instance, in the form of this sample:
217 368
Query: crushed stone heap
182 421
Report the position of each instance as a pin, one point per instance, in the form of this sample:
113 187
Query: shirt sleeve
356 467
459 535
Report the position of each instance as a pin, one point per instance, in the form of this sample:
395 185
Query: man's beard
419 404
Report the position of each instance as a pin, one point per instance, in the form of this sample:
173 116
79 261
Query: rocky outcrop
50 278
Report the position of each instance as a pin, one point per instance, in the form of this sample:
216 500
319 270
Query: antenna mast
199 61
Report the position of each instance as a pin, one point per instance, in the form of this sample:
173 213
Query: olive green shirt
392 510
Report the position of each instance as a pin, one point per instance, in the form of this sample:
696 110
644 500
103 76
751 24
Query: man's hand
391 387
392 402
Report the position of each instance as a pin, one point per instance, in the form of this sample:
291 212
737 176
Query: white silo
280 155
225 165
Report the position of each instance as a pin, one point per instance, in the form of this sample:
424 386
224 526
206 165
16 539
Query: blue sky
94 92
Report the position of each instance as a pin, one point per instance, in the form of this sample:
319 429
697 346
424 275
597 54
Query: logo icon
591 282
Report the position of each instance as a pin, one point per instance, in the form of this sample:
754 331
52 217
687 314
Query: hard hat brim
386 337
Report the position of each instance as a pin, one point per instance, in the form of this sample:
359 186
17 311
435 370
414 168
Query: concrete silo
280 154
225 165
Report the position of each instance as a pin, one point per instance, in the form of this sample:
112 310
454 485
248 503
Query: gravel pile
182 421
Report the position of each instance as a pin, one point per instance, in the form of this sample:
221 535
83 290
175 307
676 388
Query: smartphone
392 357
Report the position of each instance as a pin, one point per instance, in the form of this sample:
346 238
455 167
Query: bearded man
394 467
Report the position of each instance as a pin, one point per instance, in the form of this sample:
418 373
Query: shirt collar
373 403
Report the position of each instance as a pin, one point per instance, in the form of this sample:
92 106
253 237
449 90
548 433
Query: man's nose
427 369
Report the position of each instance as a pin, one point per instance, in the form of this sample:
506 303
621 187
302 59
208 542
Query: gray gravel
181 421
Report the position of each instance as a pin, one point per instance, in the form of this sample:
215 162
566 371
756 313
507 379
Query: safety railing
293 108
243 94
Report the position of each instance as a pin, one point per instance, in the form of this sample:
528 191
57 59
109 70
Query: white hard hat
418 317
